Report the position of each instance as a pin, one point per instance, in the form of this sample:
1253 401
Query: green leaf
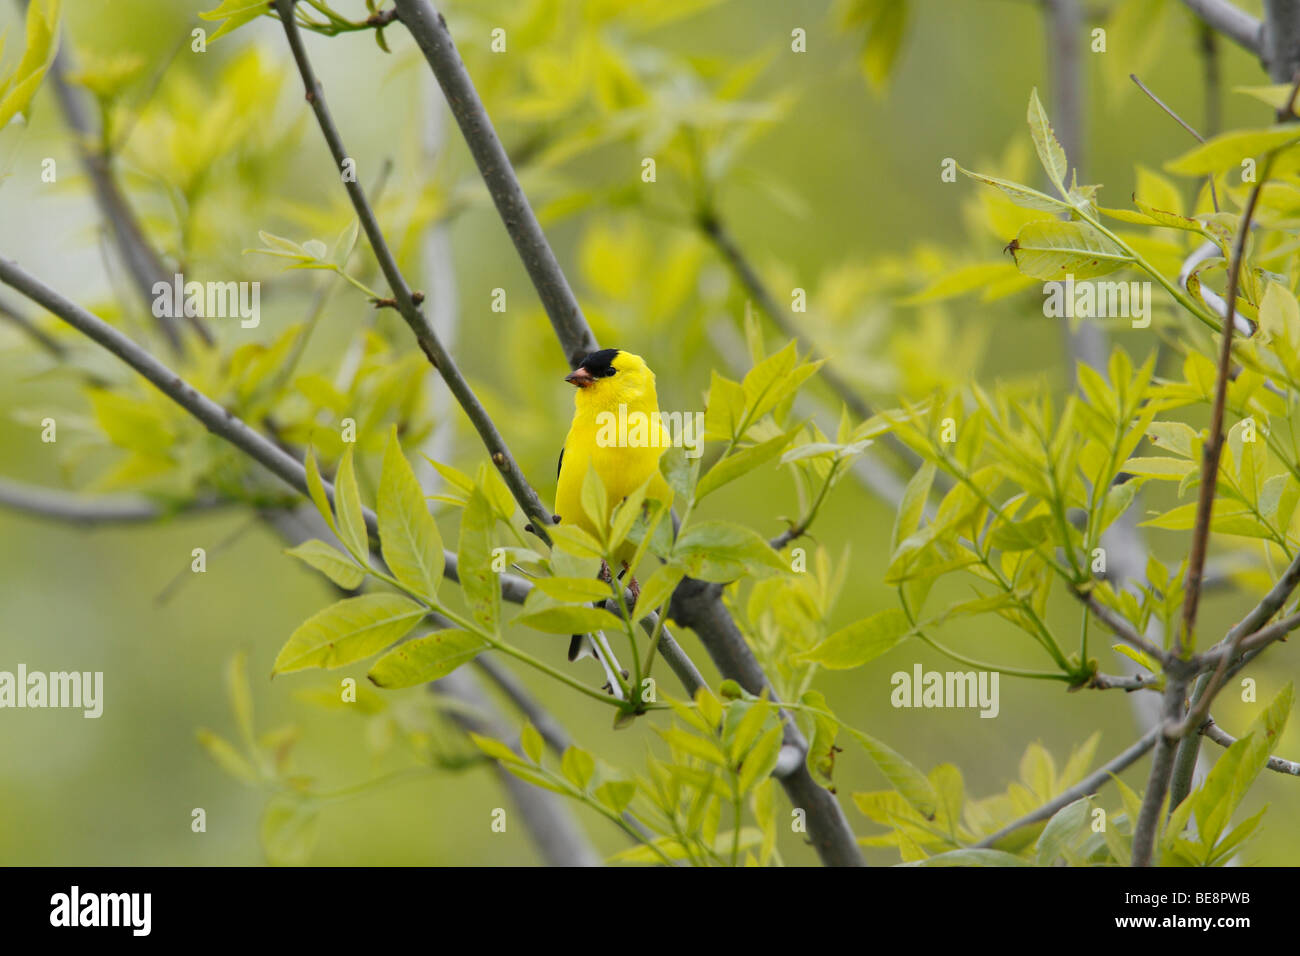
595 501
329 561
912 507
678 470
241 697
725 409
1021 195
744 722
1062 831
1014 536
347 504
578 767
495 749
1142 658
761 760
42 39
236 13
574 590
1227 150
348 631
228 758
741 462
696 746
821 751
616 794
426 658
1279 314
412 546
474 562
570 619
289 830
720 551
861 641
884 43
656 589
532 742
316 488
1050 152
905 778
1276 96
1050 249
573 540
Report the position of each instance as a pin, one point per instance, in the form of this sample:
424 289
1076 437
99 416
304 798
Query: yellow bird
617 432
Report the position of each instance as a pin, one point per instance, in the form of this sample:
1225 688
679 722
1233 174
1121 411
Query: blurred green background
865 170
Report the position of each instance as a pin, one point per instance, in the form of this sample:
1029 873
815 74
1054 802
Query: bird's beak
580 377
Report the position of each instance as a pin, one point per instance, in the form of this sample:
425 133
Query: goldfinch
617 432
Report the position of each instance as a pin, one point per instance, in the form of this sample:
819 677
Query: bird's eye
610 371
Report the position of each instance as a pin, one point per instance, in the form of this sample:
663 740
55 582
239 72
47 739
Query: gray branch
1281 39
143 263
221 422
404 299
23 323
1237 25
72 508
1225 739
1086 787
548 819
429 29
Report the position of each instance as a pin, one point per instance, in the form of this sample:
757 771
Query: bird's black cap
600 363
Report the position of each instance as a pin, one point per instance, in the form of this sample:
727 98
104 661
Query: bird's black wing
559 465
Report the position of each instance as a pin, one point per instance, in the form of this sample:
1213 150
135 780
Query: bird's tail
595 645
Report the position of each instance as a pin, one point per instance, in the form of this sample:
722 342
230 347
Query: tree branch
31 330
78 509
407 302
143 264
1120 627
1237 25
1089 785
1224 739
551 824
1282 41
429 29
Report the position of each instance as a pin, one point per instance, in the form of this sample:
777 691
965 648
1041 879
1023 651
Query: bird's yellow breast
622 468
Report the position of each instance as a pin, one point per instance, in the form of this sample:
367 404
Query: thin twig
1237 25
142 262
77 509
1120 627
1214 195
29 328
1089 785
407 302
221 422
1224 739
